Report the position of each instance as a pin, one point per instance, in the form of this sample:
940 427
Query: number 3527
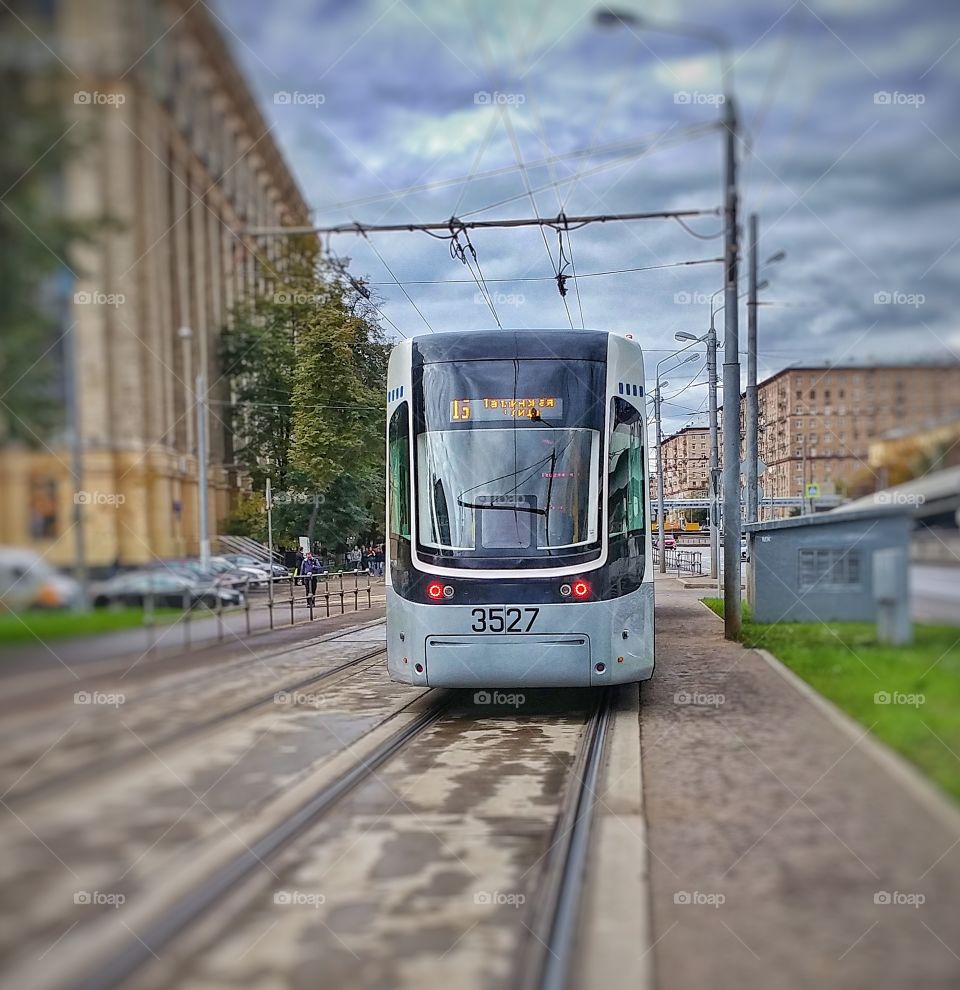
503 620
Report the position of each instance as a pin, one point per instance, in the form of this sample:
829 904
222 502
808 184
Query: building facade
816 424
686 463
180 160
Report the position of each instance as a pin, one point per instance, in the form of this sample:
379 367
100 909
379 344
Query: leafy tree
307 366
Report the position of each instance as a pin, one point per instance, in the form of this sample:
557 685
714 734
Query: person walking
309 568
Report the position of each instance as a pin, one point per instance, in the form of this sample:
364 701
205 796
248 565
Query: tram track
158 932
122 759
39 692
185 916
546 961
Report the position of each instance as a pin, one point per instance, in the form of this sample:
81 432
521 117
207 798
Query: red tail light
435 590
580 589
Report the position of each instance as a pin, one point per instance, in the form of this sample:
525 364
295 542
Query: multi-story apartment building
179 158
686 463
816 424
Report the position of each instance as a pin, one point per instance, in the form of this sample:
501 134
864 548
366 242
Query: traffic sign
813 491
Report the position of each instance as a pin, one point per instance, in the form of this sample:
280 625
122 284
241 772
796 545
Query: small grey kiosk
841 566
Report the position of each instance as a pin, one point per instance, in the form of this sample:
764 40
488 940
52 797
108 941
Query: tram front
501 449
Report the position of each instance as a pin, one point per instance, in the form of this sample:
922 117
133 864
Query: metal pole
76 468
714 448
269 499
660 547
201 389
731 385
752 452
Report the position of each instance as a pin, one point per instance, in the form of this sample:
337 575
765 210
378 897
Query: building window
43 508
830 569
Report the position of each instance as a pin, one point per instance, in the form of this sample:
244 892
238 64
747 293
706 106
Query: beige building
816 425
686 463
181 161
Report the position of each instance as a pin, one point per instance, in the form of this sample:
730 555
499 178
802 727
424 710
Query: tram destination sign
489 408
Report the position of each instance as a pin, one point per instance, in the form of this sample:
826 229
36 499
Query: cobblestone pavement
782 854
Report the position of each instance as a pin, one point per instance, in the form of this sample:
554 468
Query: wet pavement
765 847
782 854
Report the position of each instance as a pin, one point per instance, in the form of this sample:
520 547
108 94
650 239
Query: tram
519 548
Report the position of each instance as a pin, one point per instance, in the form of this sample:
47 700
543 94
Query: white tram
518 510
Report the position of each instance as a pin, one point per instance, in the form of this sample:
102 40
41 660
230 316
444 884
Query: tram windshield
509 472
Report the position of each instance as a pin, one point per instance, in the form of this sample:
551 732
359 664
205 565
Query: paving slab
783 853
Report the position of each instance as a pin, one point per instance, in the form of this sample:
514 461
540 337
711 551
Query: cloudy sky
415 110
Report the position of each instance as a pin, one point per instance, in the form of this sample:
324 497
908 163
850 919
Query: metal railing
332 594
681 561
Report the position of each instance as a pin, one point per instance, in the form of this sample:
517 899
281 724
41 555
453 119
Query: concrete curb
615 943
925 793
921 789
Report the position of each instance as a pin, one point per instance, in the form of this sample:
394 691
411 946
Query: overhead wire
398 283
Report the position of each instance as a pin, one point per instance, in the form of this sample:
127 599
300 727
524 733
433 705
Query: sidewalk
782 853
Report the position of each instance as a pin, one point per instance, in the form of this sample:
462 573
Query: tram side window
399 448
625 470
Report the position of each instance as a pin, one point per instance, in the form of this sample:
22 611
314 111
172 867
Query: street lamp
657 401
752 410
607 16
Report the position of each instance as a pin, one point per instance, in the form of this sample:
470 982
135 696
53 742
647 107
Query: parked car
29 581
220 575
669 542
136 588
259 574
242 559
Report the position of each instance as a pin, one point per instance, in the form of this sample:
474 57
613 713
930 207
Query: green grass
845 663
31 626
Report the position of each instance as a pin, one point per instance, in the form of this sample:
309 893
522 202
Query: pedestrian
378 559
309 568
364 558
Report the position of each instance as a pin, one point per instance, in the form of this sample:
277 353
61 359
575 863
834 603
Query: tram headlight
580 589
435 590
565 590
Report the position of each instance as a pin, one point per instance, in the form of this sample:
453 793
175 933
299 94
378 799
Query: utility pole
660 548
201 390
76 467
269 501
753 411
731 385
714 479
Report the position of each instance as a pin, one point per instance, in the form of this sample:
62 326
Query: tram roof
478 345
